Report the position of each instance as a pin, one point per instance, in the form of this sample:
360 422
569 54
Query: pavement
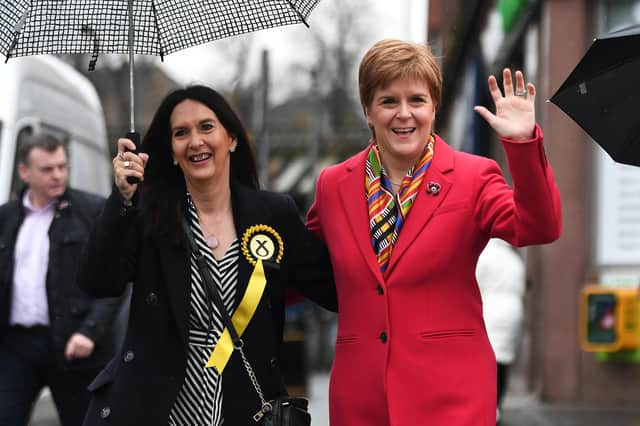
529 411
520 409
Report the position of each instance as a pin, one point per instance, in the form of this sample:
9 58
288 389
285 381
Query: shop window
621 13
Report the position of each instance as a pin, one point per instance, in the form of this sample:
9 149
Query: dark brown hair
43 141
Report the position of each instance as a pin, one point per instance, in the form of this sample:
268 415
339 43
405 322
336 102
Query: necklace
212 241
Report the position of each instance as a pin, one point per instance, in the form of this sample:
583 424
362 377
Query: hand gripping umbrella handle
135 137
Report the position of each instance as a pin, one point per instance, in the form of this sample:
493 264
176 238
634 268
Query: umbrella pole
131 84
133 135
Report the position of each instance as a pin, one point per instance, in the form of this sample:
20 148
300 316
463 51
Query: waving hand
515 112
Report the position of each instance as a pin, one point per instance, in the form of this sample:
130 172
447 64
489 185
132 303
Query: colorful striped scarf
385 218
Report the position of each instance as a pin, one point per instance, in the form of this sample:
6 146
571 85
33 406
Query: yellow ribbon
240 319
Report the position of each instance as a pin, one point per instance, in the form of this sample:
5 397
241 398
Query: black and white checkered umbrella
149 27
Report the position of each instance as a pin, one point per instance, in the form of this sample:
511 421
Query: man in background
51 334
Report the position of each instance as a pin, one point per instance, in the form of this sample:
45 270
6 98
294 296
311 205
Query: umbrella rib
155 21
96 45
612 67
304 21
570 82
16 33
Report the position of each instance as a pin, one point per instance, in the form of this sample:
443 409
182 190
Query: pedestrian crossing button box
610 319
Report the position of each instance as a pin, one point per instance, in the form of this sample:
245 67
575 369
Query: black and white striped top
199 401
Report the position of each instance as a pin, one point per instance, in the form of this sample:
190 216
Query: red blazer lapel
354 205
427 200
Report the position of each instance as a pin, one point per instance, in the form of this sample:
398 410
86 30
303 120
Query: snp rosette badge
262 242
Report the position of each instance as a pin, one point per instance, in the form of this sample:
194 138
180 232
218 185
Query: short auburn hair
392 59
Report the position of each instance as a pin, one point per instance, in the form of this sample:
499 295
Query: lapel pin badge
264 243
433 188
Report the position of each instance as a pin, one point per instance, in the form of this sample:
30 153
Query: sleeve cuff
537 136
118 206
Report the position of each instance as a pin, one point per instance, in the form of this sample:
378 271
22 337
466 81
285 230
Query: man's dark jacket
70 309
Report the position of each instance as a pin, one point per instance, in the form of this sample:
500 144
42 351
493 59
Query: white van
44 94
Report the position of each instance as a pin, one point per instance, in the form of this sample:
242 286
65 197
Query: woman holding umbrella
405 221
198 178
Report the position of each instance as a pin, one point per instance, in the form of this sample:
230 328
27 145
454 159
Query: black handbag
282 411
288 411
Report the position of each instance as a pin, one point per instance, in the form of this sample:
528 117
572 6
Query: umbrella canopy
161 27
602 94
150 27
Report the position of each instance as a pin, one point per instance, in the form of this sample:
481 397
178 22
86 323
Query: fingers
128 163
494 90
519 82
78 346
68 351
484 113
520 89
531 90
507 82
125 144
145 158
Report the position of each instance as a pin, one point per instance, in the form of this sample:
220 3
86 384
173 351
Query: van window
16 182
88 167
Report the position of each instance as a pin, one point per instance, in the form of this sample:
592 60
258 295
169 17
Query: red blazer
412 347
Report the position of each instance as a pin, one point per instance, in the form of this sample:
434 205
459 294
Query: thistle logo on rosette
262 242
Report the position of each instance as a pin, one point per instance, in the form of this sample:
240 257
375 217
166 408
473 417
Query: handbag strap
210 287
214 296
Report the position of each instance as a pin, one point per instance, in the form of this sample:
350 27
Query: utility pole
262 119
314 141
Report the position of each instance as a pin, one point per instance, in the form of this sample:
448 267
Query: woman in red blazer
405 221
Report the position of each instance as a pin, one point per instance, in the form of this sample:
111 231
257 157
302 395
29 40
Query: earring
233 148
175 162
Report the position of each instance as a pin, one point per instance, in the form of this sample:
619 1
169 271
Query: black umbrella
149 27
602 94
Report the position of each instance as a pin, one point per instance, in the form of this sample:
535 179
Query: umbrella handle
135 137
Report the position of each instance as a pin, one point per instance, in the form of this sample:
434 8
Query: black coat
70 309
141 384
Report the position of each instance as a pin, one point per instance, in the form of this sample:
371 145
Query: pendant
211 241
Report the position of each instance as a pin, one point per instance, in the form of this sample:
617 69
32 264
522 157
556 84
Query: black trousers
27 365
503 380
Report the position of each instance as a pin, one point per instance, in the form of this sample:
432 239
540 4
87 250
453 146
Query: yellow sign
610 319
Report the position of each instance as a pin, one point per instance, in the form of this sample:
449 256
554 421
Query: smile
200 157
403 130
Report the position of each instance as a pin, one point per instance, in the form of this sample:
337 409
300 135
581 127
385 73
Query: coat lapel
426 201
176 267
354 204
246 213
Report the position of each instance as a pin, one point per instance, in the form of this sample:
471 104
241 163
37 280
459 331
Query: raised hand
515 110
127 163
